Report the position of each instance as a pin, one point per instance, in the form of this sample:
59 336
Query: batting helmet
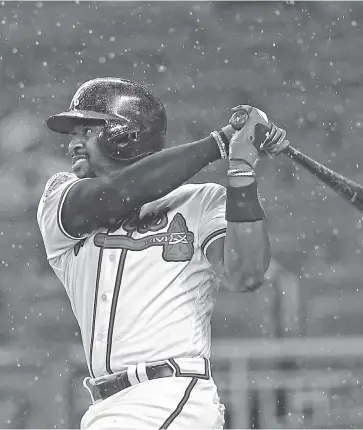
133 119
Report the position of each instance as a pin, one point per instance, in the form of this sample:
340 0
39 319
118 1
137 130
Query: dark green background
301 62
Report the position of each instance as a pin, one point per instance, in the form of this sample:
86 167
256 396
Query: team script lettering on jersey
177 241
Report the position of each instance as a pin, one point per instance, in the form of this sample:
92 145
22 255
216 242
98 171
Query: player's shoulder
194 194
199 190
212 187
56 181
188 195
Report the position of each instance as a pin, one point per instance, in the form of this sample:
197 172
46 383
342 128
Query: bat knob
239 119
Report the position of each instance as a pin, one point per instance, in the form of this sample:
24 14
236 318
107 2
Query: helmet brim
65 122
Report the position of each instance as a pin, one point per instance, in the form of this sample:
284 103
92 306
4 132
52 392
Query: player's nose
76 146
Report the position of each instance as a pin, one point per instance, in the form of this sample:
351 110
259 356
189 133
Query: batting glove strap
243 204
238 172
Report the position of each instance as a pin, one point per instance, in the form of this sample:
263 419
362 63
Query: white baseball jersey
144 292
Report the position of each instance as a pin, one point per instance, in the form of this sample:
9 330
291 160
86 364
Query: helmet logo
76 102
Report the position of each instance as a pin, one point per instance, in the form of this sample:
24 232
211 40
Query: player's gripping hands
248 135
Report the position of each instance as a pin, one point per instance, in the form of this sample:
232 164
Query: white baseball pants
172 402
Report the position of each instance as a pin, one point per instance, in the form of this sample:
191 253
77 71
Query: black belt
105 388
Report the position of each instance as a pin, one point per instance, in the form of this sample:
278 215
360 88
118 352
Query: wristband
224 139
243 204
220 142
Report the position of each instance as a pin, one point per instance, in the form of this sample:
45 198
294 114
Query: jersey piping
116 293
60 207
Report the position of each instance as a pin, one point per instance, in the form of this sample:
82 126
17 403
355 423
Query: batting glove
258 130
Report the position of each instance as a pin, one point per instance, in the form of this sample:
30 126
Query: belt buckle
122 380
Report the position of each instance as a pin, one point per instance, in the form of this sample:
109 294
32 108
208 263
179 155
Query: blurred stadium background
287 356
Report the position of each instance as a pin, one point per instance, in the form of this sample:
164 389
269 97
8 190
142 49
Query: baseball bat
346 188
343 186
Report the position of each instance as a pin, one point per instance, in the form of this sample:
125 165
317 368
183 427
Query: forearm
247 245
157 175
242 257
246 255
145 181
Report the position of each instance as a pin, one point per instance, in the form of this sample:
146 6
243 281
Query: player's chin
82 170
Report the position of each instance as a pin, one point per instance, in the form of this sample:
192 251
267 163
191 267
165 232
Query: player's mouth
78 160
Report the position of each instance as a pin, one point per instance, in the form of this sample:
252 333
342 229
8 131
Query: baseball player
138 252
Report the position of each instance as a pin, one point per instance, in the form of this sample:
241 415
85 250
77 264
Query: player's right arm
100 202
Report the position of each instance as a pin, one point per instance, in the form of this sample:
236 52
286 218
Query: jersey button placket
104 311
100 337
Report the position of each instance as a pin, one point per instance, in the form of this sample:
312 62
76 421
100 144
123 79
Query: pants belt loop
141 372
208 367
131 374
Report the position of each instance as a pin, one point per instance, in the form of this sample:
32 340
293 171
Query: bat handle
291 152
310 164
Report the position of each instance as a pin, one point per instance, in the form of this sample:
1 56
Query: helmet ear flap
113 132
122 143
109 135
134 136
118 140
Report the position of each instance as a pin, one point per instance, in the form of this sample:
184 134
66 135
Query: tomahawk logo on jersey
127 286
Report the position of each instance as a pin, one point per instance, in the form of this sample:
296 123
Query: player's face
88 161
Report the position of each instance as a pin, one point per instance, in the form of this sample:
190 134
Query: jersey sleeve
213 224
56 239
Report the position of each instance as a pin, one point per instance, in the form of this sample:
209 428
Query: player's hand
275 142
254 128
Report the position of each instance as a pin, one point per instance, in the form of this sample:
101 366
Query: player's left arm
241 257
